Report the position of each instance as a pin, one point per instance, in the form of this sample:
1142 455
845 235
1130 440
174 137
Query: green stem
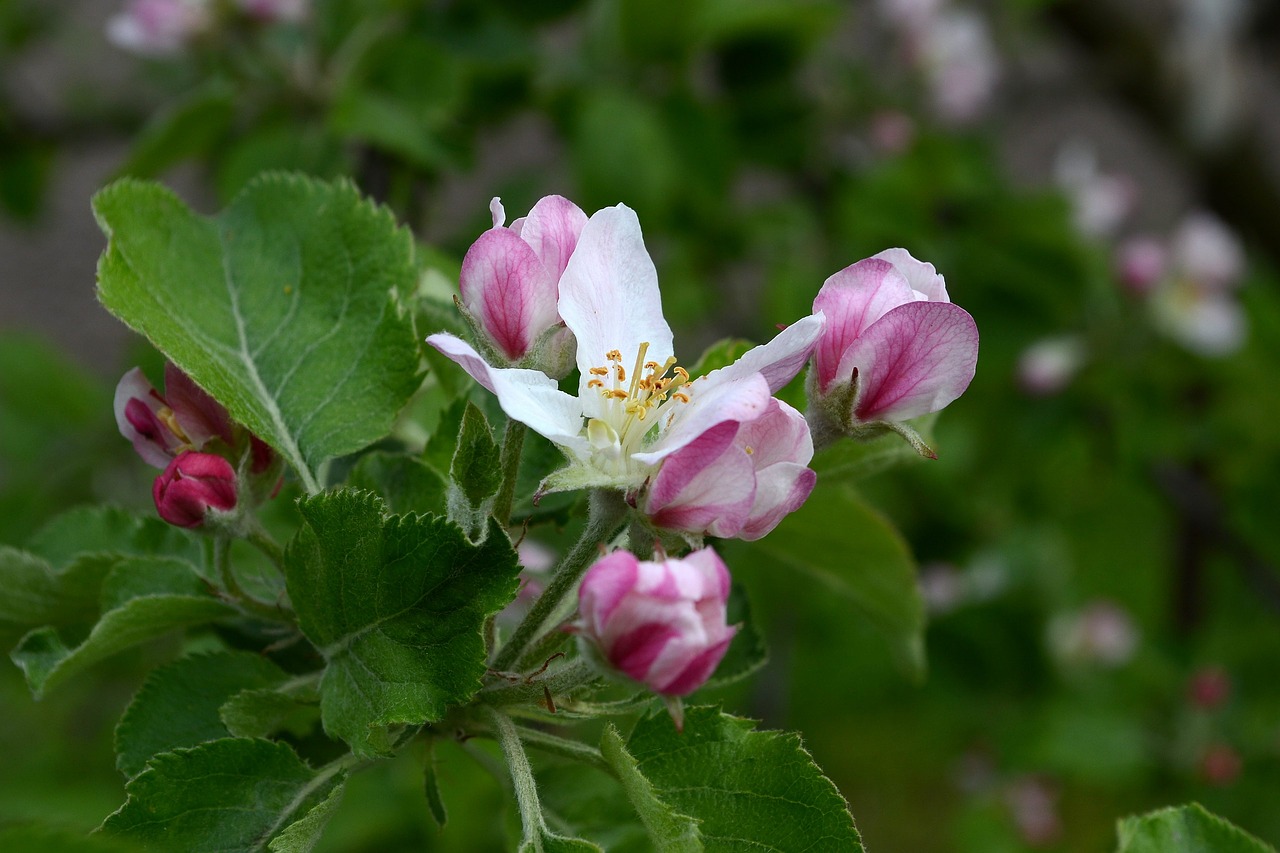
258 537
565 748
607 512
512 444
526 788
559 681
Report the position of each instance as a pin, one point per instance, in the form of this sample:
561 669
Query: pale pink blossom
160 427
1048 366
960 64
158 27
1100 201
290 11
662 624
511 275
894 346
635 405
1102 632
1141 264
703 487
1195 304
192 486
1204 249
1033 804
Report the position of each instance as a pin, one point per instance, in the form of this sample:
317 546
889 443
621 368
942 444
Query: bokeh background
1099 180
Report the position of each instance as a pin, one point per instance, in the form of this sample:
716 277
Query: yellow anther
613 355
595 383
750 450
167 416
622 374
599 371
681 396
617 394
651 365
682 374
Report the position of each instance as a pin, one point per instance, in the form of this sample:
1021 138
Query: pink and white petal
136 404
697 671
609 298
779 360
552 228
709 405
921 275
200 416
505 285
781 489
528 396
707 487
604 586
852 300
498 213
781 434
714 573
914 360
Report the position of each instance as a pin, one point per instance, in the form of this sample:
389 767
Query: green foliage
190 127
179 704
746 788
475 468
668 830
1185 829
395 604
284 307
229 794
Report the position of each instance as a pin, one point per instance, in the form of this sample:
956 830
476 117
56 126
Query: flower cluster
160 28
204 454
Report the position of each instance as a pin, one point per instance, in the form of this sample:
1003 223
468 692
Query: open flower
158 27
511 275
160 427
894 348
662 624
636 406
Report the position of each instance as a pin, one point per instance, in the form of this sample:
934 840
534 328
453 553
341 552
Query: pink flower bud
1209 688
662 623
511 276
1140 264
736 480
158 27
1220 765
193 485
891 326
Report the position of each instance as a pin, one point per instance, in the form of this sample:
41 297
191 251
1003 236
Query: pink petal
708 486
635 651
781 434
698 670
609 298
914 360
136 404
921 275
552 228
781 489
507 287
200 416
851 300
715 574
604 586
779 360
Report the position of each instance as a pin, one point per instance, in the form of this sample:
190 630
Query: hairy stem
526 788
564 747
607 512
512 444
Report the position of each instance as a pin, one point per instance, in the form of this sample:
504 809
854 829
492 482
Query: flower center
634 406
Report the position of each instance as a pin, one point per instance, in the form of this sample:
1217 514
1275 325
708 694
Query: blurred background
1099 181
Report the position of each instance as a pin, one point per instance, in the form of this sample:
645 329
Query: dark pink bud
662 624
1209 688
192 485
1220 765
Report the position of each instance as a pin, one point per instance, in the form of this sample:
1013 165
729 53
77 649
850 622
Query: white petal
528 396
779 360
609 298
709 404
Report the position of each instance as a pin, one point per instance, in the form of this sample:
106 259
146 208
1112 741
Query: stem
565 748
258 537
512 444
558 681
607 511
521 774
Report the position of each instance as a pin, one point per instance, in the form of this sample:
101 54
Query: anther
613 355
681 396
599 371
595 383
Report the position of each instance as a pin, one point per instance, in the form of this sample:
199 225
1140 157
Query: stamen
750 450
681 396
617 394
622 374
637 372
613 355
595 383
599 371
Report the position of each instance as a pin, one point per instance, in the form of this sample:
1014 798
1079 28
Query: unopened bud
192 486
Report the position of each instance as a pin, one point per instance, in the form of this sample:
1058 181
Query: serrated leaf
301 836
230 794
284 307
1185 829
37 594
135 577
431 787
838 540
405 483
475 461
46 660
396 605
178 705
668 829
748 789
265 711
109 530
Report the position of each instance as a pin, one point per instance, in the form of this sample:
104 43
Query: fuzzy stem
526 788
259 538
564 747
607 511
512 444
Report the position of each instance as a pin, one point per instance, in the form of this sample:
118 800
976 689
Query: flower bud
158 27
1140 264
1209 688
894 346
659 623
193 485
736 480
510 280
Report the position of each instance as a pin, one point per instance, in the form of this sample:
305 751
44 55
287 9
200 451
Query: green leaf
265 711
475 466
284 307
230 794
190 127
396 605
668 830
109 530
750 790
431 787
747 652
36 594
854 552
46 660
722 353
178 705
40 839
1185 829
405 483
302 836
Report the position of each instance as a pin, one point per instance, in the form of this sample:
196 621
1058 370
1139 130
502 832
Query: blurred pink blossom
1102 632
158 27
1048 366
276 10
1100 202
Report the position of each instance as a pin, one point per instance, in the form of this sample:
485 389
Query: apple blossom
1140 264
1048 365
193 485
960 64
158 27
662 623
1194 303
636 406
511 276
1100 201
894 348
1102 632
160 427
